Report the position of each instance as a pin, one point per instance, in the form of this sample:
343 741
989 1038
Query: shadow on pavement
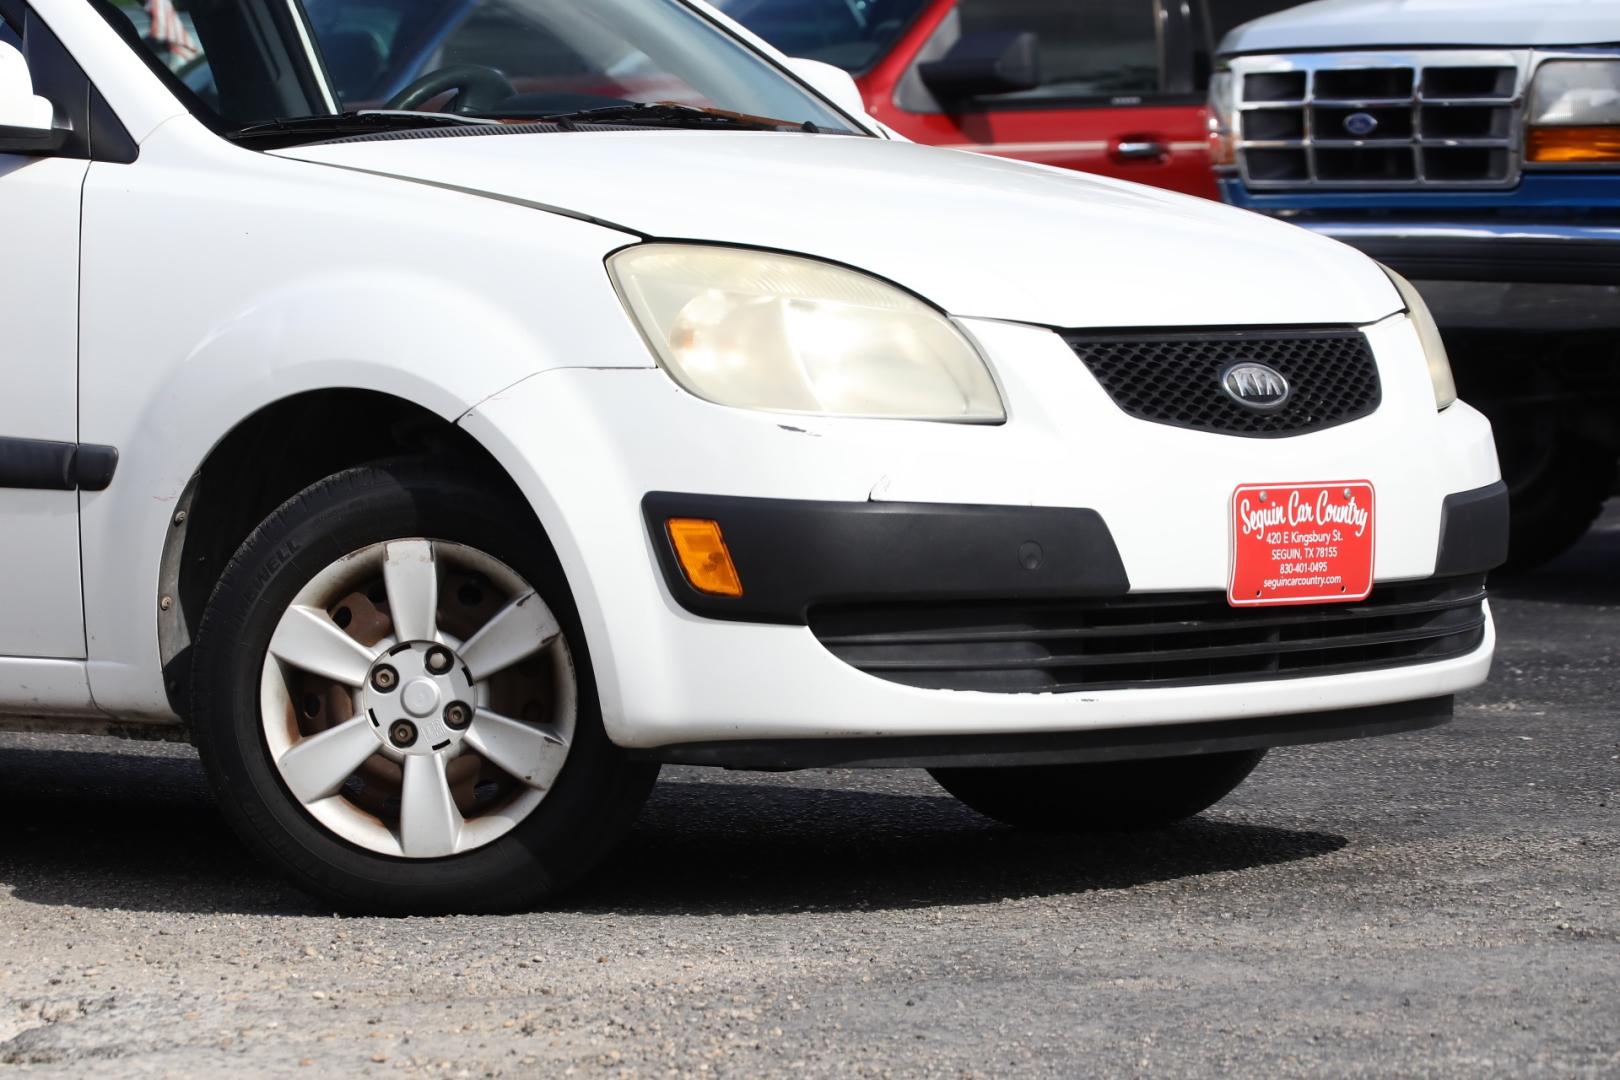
126 832
118 832
760 848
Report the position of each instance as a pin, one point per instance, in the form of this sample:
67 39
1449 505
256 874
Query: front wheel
1113 796
394 704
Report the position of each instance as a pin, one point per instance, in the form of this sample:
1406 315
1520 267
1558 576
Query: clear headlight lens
1445 386
757 330
1576 92
1574 113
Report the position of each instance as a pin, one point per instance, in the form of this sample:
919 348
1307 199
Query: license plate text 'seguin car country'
1301 543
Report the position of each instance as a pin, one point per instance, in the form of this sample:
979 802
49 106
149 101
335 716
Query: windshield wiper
674 115
302 127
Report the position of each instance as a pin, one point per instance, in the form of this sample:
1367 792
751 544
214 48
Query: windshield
247 62
853 34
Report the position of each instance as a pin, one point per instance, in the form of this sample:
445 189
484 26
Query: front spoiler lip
1058 747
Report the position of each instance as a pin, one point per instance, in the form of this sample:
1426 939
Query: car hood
978 236
1345 24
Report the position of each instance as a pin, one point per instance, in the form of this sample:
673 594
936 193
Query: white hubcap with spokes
418 698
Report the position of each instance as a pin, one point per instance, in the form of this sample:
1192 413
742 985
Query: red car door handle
1139 149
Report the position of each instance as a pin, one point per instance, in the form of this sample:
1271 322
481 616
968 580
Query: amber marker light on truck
701 549
1574 113
1573 145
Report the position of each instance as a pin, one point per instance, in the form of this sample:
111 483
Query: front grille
1176 378
1151 639
1422 119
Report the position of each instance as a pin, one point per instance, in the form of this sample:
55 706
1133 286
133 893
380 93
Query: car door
40 595
1119 92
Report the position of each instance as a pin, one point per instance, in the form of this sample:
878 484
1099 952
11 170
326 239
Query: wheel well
264 461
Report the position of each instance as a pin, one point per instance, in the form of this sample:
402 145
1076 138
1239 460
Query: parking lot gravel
1436 904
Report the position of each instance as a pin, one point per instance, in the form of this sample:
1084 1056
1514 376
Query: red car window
1087 48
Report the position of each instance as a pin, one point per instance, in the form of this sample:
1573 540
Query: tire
577 792
1555 493
1101 797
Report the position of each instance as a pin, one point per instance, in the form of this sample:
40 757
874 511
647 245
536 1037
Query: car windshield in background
849 33
243 64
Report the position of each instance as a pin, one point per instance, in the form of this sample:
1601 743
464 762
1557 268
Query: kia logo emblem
1361 124
1256 386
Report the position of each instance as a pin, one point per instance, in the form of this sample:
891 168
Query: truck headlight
1574 115
758 330
1445 386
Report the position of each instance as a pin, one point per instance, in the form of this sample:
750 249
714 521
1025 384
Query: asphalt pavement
1436 904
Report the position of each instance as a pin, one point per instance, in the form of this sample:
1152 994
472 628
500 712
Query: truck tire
1101 797
394 703
1553 502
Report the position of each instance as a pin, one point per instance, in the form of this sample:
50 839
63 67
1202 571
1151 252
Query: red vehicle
1115 87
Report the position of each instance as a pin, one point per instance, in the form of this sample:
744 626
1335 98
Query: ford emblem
1361 124
1256 386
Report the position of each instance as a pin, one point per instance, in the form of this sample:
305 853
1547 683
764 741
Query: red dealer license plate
1301 543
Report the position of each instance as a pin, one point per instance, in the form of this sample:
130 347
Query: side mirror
26 119
833 83
1003 62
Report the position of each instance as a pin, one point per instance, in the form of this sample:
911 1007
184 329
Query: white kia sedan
446 411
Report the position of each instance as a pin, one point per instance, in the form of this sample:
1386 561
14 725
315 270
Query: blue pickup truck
1474 148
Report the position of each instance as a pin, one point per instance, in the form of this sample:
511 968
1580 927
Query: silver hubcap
418 698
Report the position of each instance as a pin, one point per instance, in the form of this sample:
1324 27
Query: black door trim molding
45 465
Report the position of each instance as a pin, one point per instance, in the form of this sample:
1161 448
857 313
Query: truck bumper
1494 252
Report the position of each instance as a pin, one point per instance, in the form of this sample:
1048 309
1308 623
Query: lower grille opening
1151 639
1387 164
1464 163
1278 165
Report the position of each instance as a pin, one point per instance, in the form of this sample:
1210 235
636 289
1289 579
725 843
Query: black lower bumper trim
1473 531
1058 748
791 554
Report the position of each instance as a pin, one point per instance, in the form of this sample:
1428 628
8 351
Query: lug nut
457 716
385 678
439 660
402 733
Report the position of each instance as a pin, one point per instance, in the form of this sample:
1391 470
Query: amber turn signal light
702 551
1572 145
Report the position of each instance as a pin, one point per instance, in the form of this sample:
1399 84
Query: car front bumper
589 446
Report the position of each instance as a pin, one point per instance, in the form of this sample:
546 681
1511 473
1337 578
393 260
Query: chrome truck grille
1429 119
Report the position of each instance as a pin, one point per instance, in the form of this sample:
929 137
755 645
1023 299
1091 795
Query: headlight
1574 113
758 330
1445 387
